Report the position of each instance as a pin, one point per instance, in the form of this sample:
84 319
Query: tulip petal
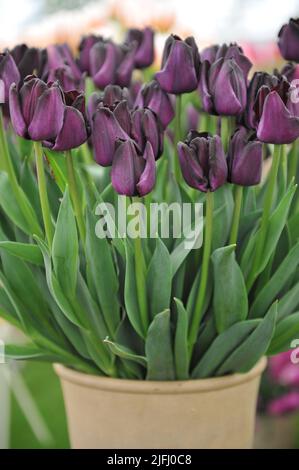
123 173
277 125
191 170
148 176
48 116
30 92
103 61
230 89
288 41
126 66
16 115
73 132
247 165
106 130
217 163
205 94
9 74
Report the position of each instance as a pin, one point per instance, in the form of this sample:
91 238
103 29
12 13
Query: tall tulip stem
177 133
42 187
199 304
265 216
75 195
7 165
236 215
293 161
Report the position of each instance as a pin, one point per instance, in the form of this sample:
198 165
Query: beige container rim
158 387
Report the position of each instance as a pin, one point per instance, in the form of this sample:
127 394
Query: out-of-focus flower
29 60
144 55
66 79
193 117
85 46
203 161
59 56
8 74
223 86
112 64
284 404
272 109
288 40
282 371
152 96
45 113
180 66
231 51
133 173
244 158
290 71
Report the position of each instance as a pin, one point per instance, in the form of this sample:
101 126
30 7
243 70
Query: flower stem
21 199
75 195
199 304
236 215
177 135
293 161
42 187
265 216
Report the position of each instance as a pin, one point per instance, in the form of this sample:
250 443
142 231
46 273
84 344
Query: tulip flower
133 173
66 79
271 109
288 403
180 66
244 158
59 56
146 128
231 51
193 117
223 87
85 46
42 112
203 161
111 63
152 96
290 71
288 40
29 60
144 55
8 74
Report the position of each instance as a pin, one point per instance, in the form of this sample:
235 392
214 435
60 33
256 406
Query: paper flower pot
118 414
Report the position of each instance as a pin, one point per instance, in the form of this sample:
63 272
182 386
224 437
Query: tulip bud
223 87
203 161
8 74
133 173
152 96
42 112
144 55
271 109
244 158
180 66
85 46
288 40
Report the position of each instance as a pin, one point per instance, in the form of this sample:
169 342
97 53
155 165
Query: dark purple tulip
111 64
153 97
203 161
45 113
146 128
231 51
133 173
288 40
290 71
144 55
8 74
223 87
29 60
59 56
193 117
85 46
245 157
66 79
180 66
272 109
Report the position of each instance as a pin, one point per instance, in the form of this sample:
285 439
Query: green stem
293 161
199 304
236 215
140 278
75 195
265 216
177 135
21 199
42 187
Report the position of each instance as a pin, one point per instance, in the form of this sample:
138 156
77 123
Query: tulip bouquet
79 132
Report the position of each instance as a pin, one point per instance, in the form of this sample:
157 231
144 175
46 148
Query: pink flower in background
285 404
283 371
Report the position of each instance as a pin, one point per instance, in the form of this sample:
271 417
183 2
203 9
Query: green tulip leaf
286 331
181 342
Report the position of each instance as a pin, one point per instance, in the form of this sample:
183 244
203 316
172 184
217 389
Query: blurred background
31 408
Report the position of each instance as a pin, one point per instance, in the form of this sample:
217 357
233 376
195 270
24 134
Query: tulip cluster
140 139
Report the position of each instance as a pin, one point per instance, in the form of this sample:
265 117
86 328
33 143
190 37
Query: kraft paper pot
113 413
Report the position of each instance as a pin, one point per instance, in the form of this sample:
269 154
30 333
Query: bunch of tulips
81 130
